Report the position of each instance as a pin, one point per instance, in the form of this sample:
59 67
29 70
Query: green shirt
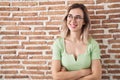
83 60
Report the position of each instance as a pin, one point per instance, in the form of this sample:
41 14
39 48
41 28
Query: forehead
76 11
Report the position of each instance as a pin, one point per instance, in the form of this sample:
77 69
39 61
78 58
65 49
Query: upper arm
96 68
96 64
56 56
95 50
56 67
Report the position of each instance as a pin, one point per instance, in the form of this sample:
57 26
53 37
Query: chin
73 30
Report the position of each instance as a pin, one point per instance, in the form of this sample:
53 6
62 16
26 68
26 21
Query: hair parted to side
85 28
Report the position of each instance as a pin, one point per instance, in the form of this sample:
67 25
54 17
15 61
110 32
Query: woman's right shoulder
58 40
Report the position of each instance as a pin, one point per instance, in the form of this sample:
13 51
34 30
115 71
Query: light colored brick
9 19
114 71
8 71
116 77
52 3
25 14
7 23
114 30
30 23
114 6
105 56
110 21
95 7
34 62
109 61
105 26
42 38
98 17
54 23
117 56
4 14
28 29
113 51
41 57
57 8
38 67
38 48
113 1
8 52
114 16
12 67
34 42
35 18
33 33
116 36
102 36
53 13
47 28
105 77
96 31
18 28
95 21
101 1
13 37
4 3
24 3
56 18
11 47
114 66
33 9
15 57
9 62
108 11
30 53
113 41
54 33
31 72
8 9
82 2
16 77
9 33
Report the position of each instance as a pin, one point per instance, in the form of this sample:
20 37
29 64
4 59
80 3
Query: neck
74 36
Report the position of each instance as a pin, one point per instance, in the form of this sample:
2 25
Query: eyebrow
75 15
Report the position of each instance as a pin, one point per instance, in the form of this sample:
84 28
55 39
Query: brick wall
28 28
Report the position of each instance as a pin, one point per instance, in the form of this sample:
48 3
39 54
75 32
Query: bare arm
66 75
96 71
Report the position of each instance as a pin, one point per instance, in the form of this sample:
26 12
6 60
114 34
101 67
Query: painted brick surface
29 27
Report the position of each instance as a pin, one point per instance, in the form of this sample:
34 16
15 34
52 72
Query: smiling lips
73 25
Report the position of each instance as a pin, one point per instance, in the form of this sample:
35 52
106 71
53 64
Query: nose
73 19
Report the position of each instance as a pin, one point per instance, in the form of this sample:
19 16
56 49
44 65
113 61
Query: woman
76 56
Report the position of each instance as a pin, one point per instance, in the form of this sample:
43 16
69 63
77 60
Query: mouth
73 25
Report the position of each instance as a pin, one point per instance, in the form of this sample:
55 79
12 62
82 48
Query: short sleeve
95 51
56 50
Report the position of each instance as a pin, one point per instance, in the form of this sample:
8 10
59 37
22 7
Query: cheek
81 23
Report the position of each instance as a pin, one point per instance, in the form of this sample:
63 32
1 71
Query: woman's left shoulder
92 41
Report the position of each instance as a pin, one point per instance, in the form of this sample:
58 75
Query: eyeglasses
77 17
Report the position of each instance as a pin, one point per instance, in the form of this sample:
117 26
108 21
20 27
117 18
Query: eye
69 16
78 17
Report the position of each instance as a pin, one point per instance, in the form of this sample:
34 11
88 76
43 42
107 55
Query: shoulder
58 42
92 41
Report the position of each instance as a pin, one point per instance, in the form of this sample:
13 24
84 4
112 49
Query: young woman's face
75 19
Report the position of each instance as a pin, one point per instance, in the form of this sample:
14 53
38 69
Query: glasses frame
76 17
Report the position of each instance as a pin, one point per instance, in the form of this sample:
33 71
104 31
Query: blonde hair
85 28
